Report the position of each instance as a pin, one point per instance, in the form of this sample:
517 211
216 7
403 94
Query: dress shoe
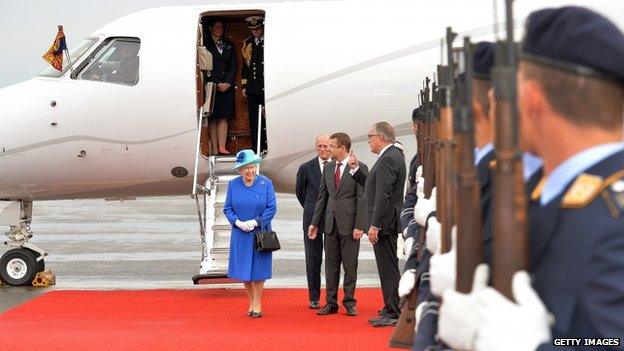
255 314
375 319
385 322
328 309
351 311
314 305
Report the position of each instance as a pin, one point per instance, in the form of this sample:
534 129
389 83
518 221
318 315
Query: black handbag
267 241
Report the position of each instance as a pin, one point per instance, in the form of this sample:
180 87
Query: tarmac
150 243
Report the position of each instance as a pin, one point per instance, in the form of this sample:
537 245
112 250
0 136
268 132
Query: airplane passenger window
75 54
117 62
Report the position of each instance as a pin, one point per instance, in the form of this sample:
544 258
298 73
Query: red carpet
187 320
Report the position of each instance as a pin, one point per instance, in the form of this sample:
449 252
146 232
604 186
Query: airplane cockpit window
117 62
75 54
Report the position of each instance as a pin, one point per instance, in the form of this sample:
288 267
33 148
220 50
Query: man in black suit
384 187
341 205
308 179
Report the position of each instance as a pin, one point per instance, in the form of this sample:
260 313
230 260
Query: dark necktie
337 174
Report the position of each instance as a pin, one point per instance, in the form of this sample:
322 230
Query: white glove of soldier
406 284
515 326
424 207
407 246
434 244
459 317
420 181
418 314
442 268
244 226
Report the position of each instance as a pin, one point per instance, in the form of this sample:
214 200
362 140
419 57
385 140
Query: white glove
434 244
515 326
244 226
251 223
459 316
407 282
424 207
407 246
420 181
442 267
418 314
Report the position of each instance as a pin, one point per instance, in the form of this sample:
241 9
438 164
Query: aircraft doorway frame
239 131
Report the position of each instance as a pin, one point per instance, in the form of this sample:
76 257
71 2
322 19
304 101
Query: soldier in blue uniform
483 59
252 76
571 98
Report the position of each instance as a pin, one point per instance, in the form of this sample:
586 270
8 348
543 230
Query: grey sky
28 27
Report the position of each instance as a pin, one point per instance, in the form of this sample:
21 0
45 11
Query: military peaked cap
254 22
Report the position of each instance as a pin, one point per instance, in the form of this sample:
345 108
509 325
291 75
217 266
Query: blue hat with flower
246 157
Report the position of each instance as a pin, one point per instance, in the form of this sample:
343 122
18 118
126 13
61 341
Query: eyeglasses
370 136
323 146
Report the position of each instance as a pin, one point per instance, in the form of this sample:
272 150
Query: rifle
445 209
510 236
403 334
469 238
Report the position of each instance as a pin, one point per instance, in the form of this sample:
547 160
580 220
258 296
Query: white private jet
329 66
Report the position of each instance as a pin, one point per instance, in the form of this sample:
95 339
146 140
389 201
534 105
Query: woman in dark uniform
223 73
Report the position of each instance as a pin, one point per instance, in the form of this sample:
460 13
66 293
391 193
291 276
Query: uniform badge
537 192
584 189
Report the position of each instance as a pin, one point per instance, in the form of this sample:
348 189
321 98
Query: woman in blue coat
250 205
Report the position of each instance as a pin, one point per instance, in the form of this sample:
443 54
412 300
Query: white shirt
384 150
343 164
322 162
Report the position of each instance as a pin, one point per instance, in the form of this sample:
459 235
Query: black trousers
314 259
389 275
253 101
341 249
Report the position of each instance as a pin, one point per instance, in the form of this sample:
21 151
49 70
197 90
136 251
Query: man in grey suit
384 187
341 204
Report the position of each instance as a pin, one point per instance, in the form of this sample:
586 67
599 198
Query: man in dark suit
252 76
340 204
308 180
384 199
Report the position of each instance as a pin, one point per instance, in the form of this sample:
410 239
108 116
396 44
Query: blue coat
245 203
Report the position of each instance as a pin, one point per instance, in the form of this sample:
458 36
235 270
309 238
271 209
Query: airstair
214 227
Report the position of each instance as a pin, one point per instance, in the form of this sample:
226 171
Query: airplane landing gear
18 267
20 264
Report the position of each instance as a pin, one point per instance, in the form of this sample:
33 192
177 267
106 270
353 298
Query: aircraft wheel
40 264
18 267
